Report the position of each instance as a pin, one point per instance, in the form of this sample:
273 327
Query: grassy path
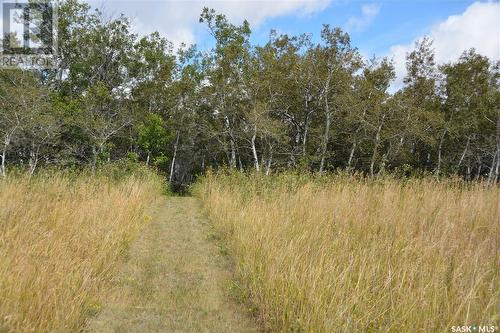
175 279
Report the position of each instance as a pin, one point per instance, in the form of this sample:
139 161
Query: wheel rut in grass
175 279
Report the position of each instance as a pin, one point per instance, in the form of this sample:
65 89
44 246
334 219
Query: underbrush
348 254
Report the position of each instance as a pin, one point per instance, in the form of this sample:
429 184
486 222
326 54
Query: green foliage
152 135
161 161
121 169
288 104
132 157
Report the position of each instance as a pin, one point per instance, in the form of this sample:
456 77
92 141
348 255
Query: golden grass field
346 254
61 237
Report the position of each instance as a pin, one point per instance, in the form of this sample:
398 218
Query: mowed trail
174 280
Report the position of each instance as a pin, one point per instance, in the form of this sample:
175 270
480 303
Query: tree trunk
94 159
269 161
3 172
33 160
491 175
296 147
172 165
304 139
351 155
306 128
440 151
147 158
497 168
254 149
240 164
355 143
441 142
479 169
375 149
383 162
464 153
326 138
232 161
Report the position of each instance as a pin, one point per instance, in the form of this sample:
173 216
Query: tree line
291 103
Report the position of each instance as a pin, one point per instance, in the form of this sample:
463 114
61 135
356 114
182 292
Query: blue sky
396 22
384 28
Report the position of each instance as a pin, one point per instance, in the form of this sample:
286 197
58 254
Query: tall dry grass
61 237
340 254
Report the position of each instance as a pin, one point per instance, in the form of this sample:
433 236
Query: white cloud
178 20
257 11
368 14
478 27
